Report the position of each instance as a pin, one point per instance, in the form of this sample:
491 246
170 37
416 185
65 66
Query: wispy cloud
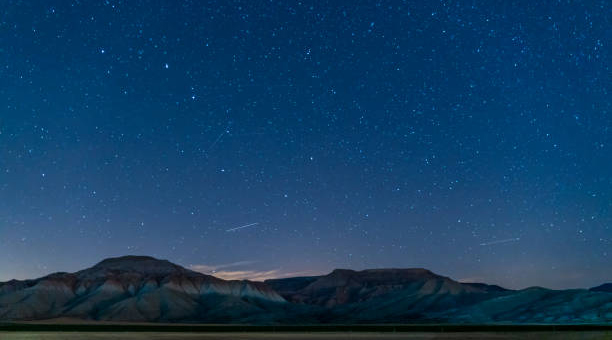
224 271
207 269
472 280
251 275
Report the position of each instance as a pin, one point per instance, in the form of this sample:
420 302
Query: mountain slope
606 287
539 305
391 295
418 295
139 288
134 288
344 286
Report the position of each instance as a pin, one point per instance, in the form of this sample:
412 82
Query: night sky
272 138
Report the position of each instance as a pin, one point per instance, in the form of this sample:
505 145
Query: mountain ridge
146 289
130 289
606 287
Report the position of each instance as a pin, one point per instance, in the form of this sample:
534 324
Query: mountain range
145 289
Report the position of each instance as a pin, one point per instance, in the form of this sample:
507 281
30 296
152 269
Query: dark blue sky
472 138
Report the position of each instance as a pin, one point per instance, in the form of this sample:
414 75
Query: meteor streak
242 227
217 140
501 241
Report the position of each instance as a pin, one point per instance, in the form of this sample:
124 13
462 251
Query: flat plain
300 336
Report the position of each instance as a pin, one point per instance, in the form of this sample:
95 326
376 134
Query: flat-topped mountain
143 265
145 289
135 288
344 286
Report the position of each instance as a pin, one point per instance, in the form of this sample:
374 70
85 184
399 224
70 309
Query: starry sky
273 138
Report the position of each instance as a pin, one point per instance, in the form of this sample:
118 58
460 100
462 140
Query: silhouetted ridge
135 264
490 288
345 286
606 287
137 288
142 288
289 285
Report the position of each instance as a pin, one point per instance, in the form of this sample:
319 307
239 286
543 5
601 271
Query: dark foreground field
303 336
62 330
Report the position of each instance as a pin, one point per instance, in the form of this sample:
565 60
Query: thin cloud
224 271
251 275
207 269
472 280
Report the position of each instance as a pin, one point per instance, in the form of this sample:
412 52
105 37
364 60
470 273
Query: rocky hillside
397 295
135 288
138 288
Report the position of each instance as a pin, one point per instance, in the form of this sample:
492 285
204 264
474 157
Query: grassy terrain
590 335
200 328
63 329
